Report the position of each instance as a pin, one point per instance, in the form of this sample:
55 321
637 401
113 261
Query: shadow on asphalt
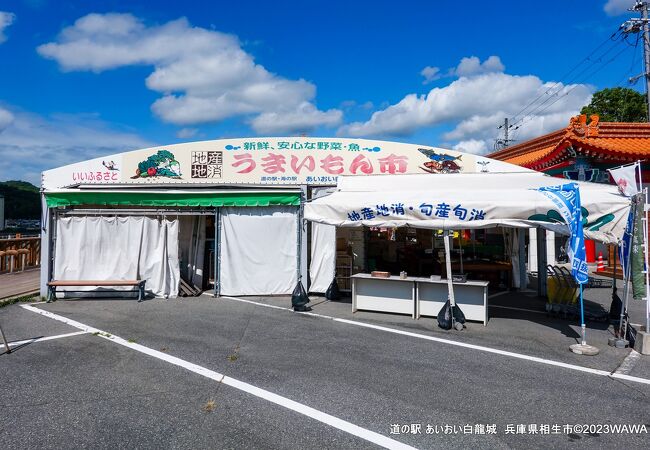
23 345
517 306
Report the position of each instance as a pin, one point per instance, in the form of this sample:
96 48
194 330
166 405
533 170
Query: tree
617 105
22 200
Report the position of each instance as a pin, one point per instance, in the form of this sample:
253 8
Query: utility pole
641 26
500 144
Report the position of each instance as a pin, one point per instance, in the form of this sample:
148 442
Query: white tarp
258 250
323 251
192 248
119 248
323 257
466 201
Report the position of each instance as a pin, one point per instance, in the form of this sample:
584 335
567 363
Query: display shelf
344 272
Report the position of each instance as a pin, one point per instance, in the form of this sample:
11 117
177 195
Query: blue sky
81 79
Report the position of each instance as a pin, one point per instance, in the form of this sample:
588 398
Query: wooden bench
52 285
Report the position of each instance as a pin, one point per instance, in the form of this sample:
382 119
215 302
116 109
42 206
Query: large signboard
268 161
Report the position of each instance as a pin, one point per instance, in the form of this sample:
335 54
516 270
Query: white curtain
323 257
511 239
258 250
192 248
119 248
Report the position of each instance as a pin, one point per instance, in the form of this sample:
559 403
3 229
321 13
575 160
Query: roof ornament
578 125
592 128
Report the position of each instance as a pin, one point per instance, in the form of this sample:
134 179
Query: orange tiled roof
609 140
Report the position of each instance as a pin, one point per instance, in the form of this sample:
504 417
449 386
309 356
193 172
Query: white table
394 294
417 296
471 296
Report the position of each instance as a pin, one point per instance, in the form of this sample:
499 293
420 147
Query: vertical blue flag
566 199
626 244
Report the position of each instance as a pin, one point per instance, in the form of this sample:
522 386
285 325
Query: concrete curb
13 299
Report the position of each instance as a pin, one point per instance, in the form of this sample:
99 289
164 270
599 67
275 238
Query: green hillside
22 200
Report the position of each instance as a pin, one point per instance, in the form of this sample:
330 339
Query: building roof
613 141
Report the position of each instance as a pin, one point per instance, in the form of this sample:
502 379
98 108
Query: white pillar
541 262
550 247
532 249
46 235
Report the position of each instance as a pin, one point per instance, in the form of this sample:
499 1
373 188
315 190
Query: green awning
194 199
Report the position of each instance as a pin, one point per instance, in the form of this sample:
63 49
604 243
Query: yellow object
558 292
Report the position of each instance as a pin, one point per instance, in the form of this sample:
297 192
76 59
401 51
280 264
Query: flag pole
647 272
582 319
627 273
645 247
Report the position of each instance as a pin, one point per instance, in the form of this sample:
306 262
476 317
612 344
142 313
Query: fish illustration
440 162
432 155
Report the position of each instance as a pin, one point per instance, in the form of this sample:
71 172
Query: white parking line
45 338
512 308
628 363
455 343
308 411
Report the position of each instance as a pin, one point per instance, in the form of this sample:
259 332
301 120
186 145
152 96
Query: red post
590 248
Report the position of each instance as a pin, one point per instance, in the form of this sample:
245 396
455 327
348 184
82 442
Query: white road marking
46 338
549 362
498 294
517 309
308 411
628 363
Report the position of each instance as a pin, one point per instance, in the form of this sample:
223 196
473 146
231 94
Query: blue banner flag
626 243
566 199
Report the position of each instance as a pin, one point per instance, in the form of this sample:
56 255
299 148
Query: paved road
89 391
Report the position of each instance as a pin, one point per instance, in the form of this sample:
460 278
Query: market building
226 215
582 151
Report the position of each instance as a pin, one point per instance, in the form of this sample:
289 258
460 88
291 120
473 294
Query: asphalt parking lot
249 373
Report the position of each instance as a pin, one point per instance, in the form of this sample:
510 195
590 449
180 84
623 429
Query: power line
613 38
530 117
577 78
538 110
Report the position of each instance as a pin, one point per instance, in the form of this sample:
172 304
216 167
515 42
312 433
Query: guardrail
32 257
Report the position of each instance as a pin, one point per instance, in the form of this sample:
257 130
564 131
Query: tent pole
460 250
217 252
4 339
299 239
450 283
582 319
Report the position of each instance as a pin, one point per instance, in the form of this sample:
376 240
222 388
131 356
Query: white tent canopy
465 201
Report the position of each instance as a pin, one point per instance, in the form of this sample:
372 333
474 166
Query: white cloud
472 146
473 66
350 104
304 119
186 133
6 19
430 74
203 75
6 118
475 104
617 7
33 143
